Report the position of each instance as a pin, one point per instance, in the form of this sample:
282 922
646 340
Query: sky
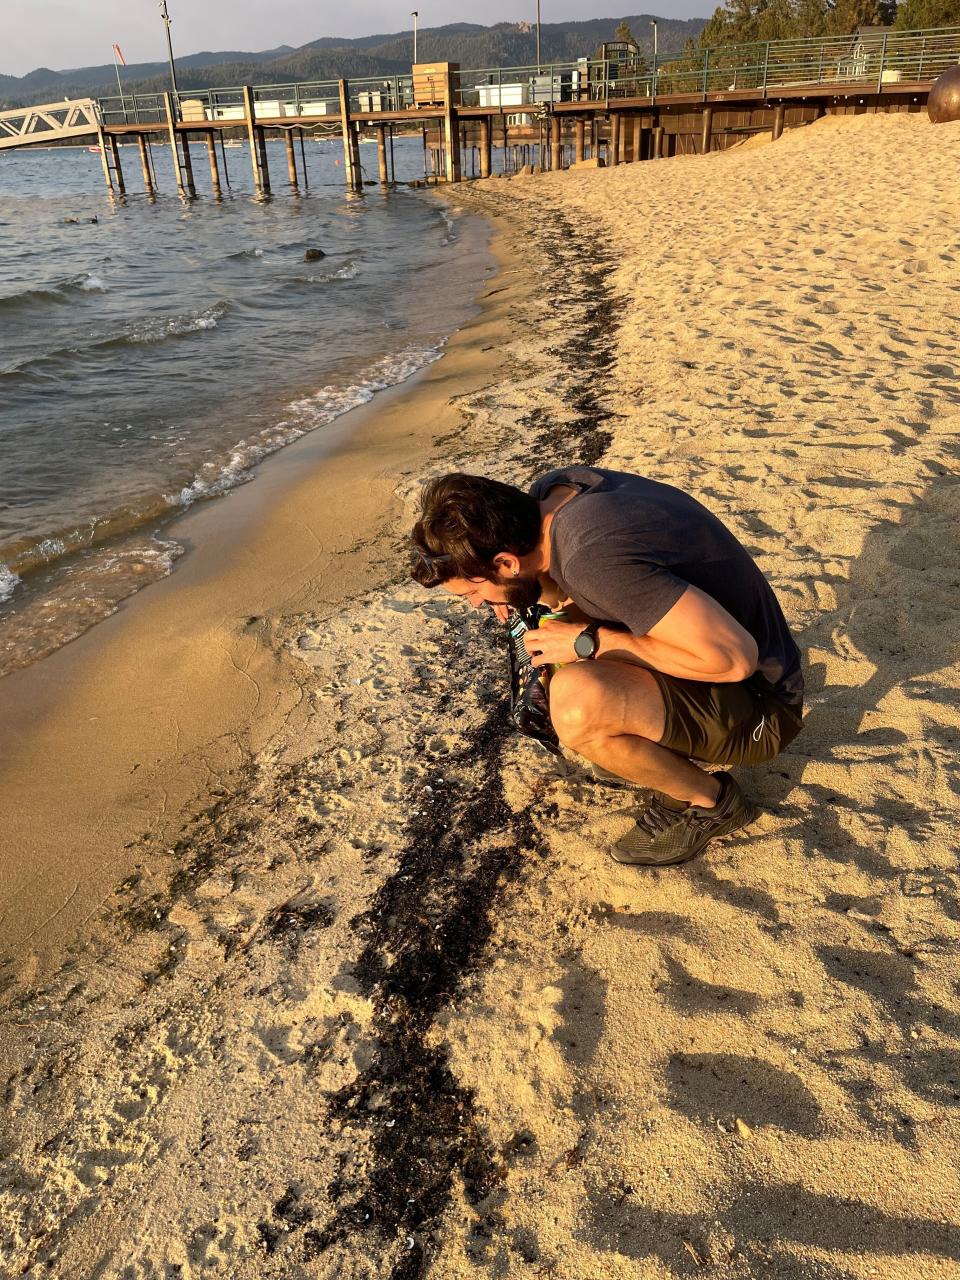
78 33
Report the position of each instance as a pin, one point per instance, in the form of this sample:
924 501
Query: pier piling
613 152
351 145
262 154
214 170
223 161
291 159
250 116
382 154
145 165
105 161
485 148
556 144
182 168
188 167
778 117
451 131
579 132
117 169
706 136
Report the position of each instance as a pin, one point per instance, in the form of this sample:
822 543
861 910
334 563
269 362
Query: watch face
584 645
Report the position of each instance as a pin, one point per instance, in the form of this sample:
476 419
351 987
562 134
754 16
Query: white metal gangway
27 126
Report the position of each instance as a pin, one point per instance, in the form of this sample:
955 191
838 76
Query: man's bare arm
696 640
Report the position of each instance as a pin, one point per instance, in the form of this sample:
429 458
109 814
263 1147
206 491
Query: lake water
151 352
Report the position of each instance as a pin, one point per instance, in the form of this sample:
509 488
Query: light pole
414 14
166 22
538 36
654 25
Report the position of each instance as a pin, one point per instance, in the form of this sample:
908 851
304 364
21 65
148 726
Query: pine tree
849 15
915 15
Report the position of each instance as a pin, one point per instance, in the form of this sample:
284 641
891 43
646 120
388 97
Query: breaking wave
58 292
147 330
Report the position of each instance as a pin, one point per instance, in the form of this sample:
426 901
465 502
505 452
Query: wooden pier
605 111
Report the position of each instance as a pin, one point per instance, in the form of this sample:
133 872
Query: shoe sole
626 858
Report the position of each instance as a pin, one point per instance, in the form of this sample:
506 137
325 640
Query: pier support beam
451 133
579 133
291 159
117 170
172 134
258 165
658 139
486 157
706 137
145 165
223 161
188 167
556 145
264 166
105 161
214 168
182 168
637 142
778 117
351 145
613 156
382 154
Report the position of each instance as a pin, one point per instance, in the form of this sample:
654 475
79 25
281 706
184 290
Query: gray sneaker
665 836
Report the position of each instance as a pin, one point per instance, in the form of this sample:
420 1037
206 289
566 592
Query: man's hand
552 642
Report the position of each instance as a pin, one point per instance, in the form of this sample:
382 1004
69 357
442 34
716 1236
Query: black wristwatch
585 645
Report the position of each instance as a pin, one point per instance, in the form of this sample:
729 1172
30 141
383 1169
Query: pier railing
873 62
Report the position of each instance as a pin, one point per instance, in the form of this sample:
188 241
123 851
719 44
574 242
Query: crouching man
674 647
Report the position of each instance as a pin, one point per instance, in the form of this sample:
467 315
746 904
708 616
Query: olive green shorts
726 723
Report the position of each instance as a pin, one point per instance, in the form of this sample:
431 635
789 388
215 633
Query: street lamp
654 25
538 36
414 14
166 22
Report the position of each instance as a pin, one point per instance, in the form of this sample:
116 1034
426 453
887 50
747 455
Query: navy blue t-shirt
625 548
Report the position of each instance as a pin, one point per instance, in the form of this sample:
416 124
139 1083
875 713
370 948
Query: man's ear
507 564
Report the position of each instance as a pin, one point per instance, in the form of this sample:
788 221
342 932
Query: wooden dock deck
617 111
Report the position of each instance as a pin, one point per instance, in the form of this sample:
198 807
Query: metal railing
873 63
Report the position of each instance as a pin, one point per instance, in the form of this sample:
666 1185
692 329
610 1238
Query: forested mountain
329 58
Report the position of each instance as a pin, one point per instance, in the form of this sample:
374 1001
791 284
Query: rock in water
943 105
313 255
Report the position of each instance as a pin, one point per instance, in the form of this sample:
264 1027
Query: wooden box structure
192 109
431 83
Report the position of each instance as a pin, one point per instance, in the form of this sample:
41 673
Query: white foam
8 583
349 271
88 283
156 329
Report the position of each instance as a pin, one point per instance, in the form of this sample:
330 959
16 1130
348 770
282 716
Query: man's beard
523 593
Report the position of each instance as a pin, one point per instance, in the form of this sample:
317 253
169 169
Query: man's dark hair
465 521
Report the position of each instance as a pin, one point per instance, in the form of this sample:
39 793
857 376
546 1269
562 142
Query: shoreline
385 1007
235 550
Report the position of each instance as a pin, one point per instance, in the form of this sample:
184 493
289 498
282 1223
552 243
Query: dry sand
388 1009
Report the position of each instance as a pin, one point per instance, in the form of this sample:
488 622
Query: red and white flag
118 55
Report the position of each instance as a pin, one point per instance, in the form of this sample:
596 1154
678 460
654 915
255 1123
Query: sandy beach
314 969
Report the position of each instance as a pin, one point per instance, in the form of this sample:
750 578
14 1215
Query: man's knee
578 695
596 699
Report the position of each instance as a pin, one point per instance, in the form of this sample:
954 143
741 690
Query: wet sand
384 1006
